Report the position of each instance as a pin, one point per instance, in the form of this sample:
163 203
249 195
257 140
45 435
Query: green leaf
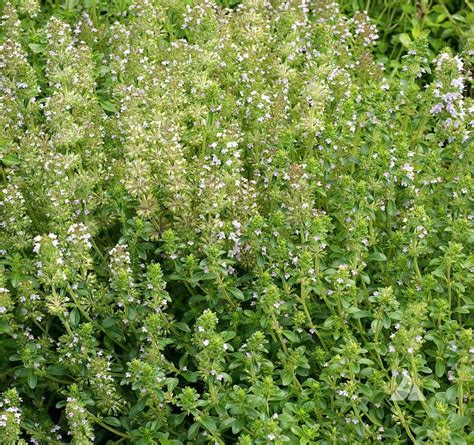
10 160
113 421
286 377
178 419
125 422
35 48
108 322
22 372
201 276
228 335
171 383
457 439
103 70
463 310
296 430
377 256
290 335
227 423
405 40
75 317
56 370
391 208
32 379
138 407
459 18
209 424
439 368
190 376
386 321
108 343
4 327
360 314
237 426
237 293
430 384
15 278
182 326
108 106
193 430
451 393
457 422
438 272
132 313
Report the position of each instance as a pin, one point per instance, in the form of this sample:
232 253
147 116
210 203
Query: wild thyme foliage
232 226
400 21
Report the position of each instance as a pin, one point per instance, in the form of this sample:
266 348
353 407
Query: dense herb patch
246 225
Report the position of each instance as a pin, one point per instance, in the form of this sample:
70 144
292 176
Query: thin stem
403 421
9 371
97 250
460 398
2 171
55 379
308 316
448 281
277 329
297 382
94 12
108 427
417 269
91 320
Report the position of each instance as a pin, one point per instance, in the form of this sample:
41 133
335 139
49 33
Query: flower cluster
10 417
81 431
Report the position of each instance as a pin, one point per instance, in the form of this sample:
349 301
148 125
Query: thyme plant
229 223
